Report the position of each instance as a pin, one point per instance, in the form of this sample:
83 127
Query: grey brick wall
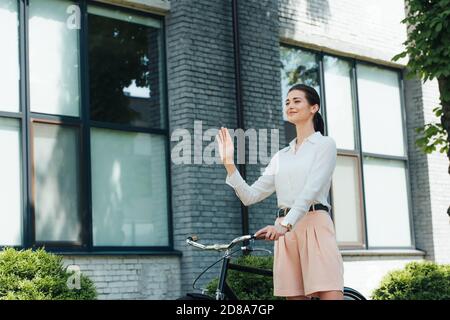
201 87
131 277
418 166
261 90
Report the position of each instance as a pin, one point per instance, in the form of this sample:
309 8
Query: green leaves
38 275
438 111
428 42
433 136
417 281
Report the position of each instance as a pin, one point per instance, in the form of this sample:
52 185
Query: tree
428 50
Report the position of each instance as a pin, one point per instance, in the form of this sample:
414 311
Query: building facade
93 93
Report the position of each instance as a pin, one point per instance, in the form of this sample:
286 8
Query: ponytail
318 123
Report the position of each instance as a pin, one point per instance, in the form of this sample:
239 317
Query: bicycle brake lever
193 238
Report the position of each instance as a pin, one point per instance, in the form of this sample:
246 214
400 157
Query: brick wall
200 87
438 180
131 277
364 273
419 173
368 29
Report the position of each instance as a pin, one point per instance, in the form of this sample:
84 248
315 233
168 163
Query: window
384 160
386 202
125 80
347 201
9 56
129 190
11 193
340 103
56 182
54 59
128 177
10 183
379 102
369 193
92 128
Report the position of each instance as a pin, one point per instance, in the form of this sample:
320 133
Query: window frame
83 123
358 153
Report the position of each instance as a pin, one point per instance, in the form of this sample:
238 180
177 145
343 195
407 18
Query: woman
307 261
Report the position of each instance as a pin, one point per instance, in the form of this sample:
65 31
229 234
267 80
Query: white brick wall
358 28
131 277
365 273
153 6
439 180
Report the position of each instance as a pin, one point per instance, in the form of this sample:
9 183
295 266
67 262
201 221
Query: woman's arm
260 189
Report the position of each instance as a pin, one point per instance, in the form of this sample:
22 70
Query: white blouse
299 178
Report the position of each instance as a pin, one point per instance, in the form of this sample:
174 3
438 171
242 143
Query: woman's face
297 108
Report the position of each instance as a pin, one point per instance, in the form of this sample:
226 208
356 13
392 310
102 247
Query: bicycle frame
223 290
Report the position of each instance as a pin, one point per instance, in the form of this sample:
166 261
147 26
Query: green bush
248 286
417 281
39 275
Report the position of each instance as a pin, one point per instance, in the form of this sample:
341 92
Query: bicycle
224 291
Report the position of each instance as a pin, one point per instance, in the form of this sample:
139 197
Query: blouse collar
313 138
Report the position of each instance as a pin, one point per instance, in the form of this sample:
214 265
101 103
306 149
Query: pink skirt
307 259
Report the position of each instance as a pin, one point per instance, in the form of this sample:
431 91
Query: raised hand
226 146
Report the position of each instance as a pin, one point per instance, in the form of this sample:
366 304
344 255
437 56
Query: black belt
317 206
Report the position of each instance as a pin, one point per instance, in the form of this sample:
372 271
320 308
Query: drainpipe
239 107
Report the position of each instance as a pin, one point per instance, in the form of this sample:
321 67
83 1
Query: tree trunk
444 90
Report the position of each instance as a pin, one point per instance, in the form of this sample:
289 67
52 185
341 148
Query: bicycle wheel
195 296
352 294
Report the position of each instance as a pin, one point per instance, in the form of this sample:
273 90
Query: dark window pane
297 66
125 68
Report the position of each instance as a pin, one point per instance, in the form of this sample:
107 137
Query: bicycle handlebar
218 247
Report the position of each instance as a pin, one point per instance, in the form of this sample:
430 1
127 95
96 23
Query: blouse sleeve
260 189
321 172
